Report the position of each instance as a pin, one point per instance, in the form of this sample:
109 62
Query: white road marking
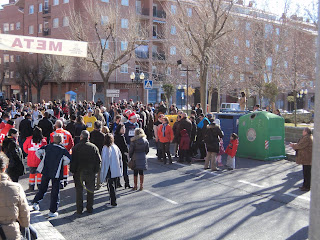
252 184
159 196
298 196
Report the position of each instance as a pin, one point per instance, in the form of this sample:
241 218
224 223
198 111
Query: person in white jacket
111 166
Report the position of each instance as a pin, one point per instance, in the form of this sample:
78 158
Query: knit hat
132 116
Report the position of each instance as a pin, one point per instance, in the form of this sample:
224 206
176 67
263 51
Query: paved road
259 200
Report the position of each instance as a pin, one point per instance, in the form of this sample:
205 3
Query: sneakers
52 215
36 207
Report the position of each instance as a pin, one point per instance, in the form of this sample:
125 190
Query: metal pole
147 96
187 88
314 230
137 92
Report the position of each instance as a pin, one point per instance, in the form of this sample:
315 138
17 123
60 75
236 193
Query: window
6 27
6 58
124 45
104 20
104 44
247 60
286 49
124 23
65 21
6 74
248 26
189 12
173 9
65 1
236 42
18 26
12 58
17 75
230 76
311 84
173 30
154 70
55 2
168 70
277 31
269 62
242 77
31 9
31 30
105 1
18 58
183 73
277 47
12 74
267 77
40 7
188 52
55 23
285 64
125 2
11 26
247 43
173 50
236 59
124 68
236 23
40 28
105 67
268 30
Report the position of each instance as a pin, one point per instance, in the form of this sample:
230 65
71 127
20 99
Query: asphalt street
258 200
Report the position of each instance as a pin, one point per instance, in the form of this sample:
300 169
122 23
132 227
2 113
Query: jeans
55 192
111 184
231 162
159 150
184 155
166 150
211 156
86 179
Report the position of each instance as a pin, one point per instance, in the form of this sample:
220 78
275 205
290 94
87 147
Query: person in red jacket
68 143
30 146
5 130
184 146
165 136
231 151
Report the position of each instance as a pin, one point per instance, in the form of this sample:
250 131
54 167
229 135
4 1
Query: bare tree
198 29
111 42
60 69
21 69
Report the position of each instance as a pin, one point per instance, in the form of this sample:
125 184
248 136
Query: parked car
301 111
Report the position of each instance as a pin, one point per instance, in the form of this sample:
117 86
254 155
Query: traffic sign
148 84
113 91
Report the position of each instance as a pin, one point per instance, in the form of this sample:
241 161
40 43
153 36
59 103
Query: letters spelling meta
42 44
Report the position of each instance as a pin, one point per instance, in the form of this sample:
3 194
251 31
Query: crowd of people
98 143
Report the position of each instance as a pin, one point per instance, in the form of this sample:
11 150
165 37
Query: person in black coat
15 155
97 138
25 128
46 126
120 141
193 136
78 128
85 163
70 126
212 136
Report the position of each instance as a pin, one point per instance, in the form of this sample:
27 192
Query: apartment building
254 45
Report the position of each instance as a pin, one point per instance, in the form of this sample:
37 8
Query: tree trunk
203 89
107 100
38 94
210 92
30 93
59 90
295 107
218 100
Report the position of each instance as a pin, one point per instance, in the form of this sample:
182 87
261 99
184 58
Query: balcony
158 35
159 13
158 56
46 10
142 54
158 77
46 32
142 11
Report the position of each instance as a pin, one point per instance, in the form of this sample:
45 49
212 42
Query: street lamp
179 63
137 81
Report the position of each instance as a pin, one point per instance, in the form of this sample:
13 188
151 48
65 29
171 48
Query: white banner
43 45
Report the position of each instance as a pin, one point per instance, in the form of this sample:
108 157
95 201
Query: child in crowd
231 151
184 146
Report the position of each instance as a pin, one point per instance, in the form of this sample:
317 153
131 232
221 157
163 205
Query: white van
225 107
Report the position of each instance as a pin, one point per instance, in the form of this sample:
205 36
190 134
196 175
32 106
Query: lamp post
179 63
137 81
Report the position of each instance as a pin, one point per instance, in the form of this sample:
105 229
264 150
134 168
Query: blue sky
275 6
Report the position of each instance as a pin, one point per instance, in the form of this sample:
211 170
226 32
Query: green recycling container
261 136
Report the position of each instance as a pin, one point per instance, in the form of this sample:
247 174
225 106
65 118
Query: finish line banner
43 45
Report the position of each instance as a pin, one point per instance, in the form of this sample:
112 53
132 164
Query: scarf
201 124
164 129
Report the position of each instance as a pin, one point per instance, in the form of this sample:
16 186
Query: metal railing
46 9
142 11
142 55
159 14
158 56
46 32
